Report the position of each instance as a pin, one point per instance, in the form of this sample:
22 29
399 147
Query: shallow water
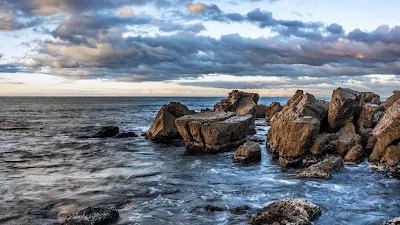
47 171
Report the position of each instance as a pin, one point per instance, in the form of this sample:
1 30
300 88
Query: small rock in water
93 216
125 135
240 210
395 221
287 211
247 153
107 131
323 169
208 208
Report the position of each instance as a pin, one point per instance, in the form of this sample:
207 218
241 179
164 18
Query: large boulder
242 103
323 169
247 153
261 110
387 132
107 131
354 155
295 126
392 99
392 156
93 216
213 131
163 128
347 138
369 116
343 106
368 98
287 211
273 109
324 142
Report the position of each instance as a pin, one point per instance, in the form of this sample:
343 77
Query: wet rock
107 131
273 109
93 216
395 221
208 208
311 159
214 131
295 126
347 139
392 99
126 135
369 116
355 155
243 209
255 139
288 211
343 106
324 142
392 156
205 110
323 169
163 128
247 153
387 132
261 110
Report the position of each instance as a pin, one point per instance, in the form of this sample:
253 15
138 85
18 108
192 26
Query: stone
287 211
343 106
347 139
273 109
93 216
323 142
261 110
392 99
368 98
354 155
240 102
208 208
107 131
163 128
213 131
126 135
387 131
370 144
395 221
323 169
294 128
369 116
392 156
247 153
243 209
366 134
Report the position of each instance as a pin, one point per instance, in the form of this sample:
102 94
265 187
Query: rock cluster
93 216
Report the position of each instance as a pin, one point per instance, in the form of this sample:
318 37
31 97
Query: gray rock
93 216
107 131
126 135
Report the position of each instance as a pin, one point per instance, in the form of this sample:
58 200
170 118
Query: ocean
47 171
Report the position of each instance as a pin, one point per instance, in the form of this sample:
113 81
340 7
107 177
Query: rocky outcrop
213 131
343 106
93 216
261 110
163 128
368 98
387 132
392 156
354 155
107 131
392 99
240 102
273 109
369 116
247 153
287 211
347 138
294 127
125 135
323 143
323 169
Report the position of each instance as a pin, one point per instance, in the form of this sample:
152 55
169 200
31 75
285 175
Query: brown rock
369 115
395 221
347 139
370 144
355 155
240 102
261 110
243 209
287 211
366 134
343 106
247 153
322 169
392 156
163 128
389 101
323 142
273 109
387 131
368 98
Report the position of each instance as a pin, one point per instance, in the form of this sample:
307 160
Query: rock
107 131
208 208
343 106
287 211
261 110
387 132
323 142
368 98
347 139
369 116
395 221
392 156
125 135
240 102
366 134
273 109
322 169
355 155
240 210
247 153
254 139
293 129
163 128
392 99
93 216
213 131
205 110
370 144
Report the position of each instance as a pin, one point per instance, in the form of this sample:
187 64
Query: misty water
48 172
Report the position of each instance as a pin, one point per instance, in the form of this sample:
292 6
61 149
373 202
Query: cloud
127 12
9 68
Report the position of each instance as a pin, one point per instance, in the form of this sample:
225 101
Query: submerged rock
343 106
126 135
208 208
288 211
107 131
273 109
247 153
93 216
322 169
163 128
243 209
261 110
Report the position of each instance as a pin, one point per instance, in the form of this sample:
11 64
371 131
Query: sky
197 48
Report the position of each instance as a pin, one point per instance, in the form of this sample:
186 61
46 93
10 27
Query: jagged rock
368 98
369 116
287 211
395 221
392 156
366 134
322 169
347 139
247 153
163 128
125 135
240 102
213 131
324 142
255 139
273 109
370 144
387 132
107 131
389 101
93 216
343 106
261 110
243 209
295 126
355 155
